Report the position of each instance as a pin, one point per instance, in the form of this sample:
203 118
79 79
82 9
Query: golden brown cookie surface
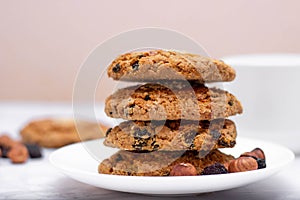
53 133
158 163
159 102
172 135
168 65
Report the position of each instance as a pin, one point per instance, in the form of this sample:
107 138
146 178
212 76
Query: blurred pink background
43 43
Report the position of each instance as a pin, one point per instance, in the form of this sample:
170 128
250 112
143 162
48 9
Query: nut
257 152
183 169
16 151
242 164
6 141
226 165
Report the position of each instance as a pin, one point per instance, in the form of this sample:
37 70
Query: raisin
216 168
232 143
140 56
34 150
110 113
135 65
4 151
138 147
156 147
108 132
139 143
192 146
147 97
225 144
261 163
116 68
230 103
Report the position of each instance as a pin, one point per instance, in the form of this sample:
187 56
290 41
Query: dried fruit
216 168
147 97
116 68
242 164
4 151
33 150
135 65
183 169
261 163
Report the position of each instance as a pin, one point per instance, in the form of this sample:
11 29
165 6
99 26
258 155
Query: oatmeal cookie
53 133
172 135
160 102
168 65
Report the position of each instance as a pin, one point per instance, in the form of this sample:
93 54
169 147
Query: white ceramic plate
76 162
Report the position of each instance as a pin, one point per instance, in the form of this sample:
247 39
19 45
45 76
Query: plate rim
290 156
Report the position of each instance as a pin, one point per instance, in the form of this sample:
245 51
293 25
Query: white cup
268 87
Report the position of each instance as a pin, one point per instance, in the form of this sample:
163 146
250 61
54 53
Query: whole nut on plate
242 164
183 169
226 165
257 152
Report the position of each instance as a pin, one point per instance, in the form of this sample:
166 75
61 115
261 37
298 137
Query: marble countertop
37 179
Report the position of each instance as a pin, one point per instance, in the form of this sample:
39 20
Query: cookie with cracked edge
172 135
169 65
179 101
54 132
158 163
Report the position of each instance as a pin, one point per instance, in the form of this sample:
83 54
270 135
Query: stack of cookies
173 118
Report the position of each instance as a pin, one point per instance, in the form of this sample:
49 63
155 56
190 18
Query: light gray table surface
38 179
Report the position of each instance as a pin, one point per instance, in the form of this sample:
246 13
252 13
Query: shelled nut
242 164
183 169
257 152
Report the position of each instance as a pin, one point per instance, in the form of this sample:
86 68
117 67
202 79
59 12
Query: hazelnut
18 153
6 141
242 164
257 152
183 169
14 150
226 165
